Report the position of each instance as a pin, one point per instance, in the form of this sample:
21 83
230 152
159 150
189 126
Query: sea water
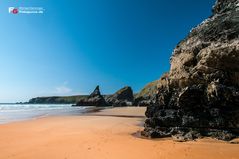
18 112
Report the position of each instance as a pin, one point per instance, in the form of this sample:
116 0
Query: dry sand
102 135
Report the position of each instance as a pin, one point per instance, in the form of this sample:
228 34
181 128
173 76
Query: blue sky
76 45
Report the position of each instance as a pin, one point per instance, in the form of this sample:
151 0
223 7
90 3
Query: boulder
123 97
94 99
201 94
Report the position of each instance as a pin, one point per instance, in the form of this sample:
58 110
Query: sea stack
123 97
95 99
201 95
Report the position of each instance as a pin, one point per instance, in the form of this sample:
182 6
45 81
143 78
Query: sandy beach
108 134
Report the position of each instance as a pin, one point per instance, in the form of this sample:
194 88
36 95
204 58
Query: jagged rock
201 94
123 97
95 99
222 135
191 135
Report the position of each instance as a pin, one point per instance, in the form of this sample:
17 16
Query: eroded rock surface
201 97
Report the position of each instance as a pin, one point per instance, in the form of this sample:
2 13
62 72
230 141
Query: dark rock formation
147 95
201 95
95 99
123 97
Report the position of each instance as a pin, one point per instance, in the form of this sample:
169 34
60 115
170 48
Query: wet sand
107 134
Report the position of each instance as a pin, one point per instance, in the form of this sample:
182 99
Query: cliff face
201 96
209 52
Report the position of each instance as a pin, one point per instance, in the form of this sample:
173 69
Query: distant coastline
142 98
56 99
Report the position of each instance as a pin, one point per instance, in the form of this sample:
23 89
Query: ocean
19 112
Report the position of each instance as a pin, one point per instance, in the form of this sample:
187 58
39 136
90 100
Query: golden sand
102 135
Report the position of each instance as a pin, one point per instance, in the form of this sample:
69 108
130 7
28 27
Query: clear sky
78 44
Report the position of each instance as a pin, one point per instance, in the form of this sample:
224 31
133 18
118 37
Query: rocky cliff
201 95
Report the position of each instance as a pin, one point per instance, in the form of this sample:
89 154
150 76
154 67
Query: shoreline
11 113
107 134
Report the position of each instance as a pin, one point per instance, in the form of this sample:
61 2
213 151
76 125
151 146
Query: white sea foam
17 112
